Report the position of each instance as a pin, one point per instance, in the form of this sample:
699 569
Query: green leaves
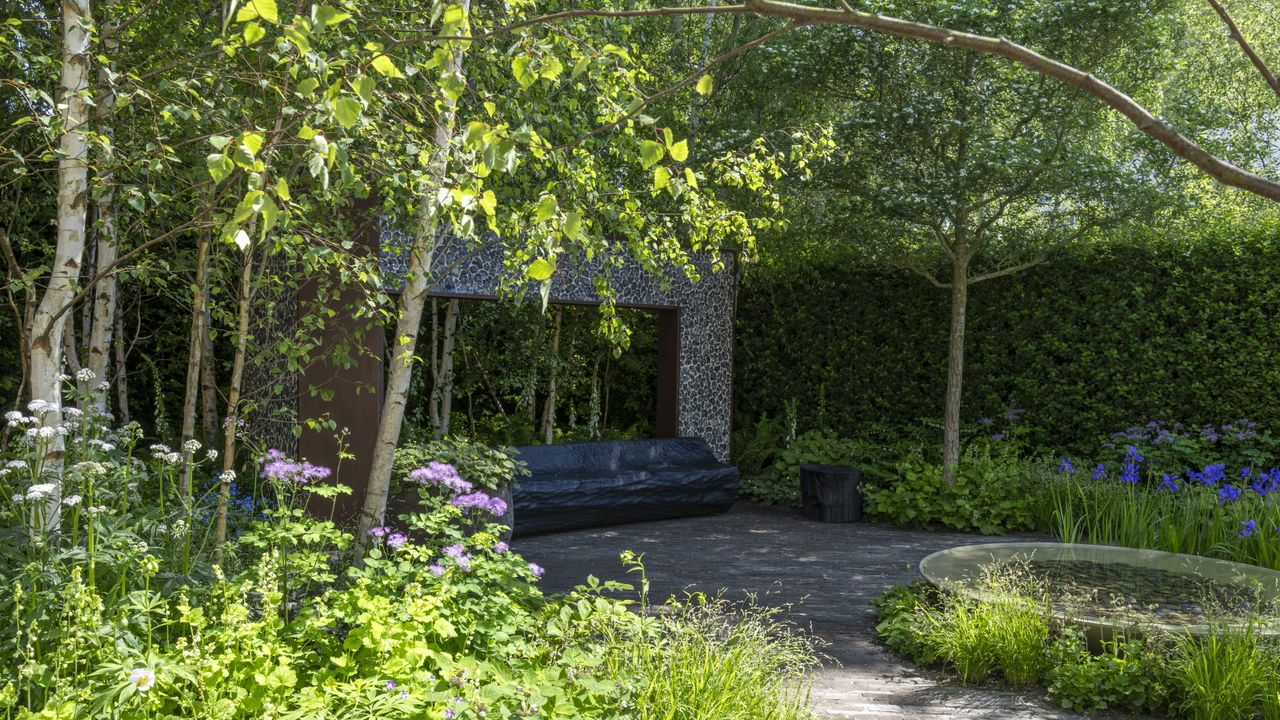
546 208
540 269
651 153
265 10
661 177
347 111
328 16
219 167
520 70
386 66
364 87
253 32
679 151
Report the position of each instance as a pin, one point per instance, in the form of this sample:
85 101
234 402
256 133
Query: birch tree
47 324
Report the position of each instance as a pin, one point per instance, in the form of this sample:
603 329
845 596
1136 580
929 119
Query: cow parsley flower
40 490
40 407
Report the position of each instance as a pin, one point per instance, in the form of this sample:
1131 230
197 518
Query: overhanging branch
1245 47
1216 167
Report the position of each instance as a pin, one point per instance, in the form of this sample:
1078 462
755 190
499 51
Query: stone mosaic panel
705 384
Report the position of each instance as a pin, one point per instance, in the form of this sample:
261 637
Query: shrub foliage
1187 334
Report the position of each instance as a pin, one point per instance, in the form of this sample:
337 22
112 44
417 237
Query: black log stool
830 493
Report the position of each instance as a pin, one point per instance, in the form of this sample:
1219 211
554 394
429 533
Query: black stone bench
579 485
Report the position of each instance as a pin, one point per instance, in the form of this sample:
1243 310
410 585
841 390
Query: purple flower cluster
1242 429
536 569
280 468
461 558
478 501
443 475
395 539
1154 432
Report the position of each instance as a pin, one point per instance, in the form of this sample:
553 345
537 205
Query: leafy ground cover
126 609
1010 638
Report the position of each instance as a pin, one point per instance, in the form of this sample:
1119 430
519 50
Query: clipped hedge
1102 336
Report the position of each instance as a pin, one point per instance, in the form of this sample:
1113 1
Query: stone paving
827 572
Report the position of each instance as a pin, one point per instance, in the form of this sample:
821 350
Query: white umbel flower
39 490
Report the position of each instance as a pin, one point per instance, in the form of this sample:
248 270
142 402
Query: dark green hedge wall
1101 337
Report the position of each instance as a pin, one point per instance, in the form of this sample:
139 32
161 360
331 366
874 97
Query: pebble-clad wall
705 386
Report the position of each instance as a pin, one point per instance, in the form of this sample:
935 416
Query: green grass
708 658
1190 520
1225 675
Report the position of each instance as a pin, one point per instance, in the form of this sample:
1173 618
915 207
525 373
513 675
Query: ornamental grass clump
1224 675
709 658
1006 629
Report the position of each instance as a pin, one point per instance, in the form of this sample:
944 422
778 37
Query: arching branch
1212 165
1245 47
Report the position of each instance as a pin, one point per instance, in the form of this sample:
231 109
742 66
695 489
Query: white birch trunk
549 410
104 296
48 324
409 322
445 379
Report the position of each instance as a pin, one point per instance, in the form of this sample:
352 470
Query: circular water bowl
1106 589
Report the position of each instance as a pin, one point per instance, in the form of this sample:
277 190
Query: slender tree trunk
233 401
195 352
104 296
409 318
433 400
549 409
70 356
445 379
955 370
208 381
122 372
47 324
696 102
